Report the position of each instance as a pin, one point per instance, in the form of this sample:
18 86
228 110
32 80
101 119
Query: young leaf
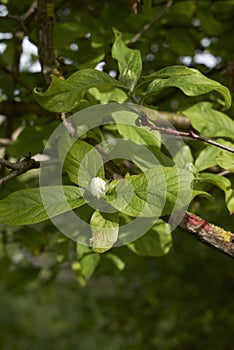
129 62
210 122
156 242
82 163
65 95
105 228
190 81
26 207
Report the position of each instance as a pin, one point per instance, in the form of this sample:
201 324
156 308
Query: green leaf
82 250
115 95
137 137
65 95
116 261
230 202
226 160
105 228
224 184
88 264
207 158
140 135
202 194
26 207
210 122
179 188
129 62
149 194
184 158
156 242
189 80
82 162
125 124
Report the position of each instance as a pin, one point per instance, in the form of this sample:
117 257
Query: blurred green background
181 301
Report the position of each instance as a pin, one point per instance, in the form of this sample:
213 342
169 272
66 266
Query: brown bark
209 234
45 24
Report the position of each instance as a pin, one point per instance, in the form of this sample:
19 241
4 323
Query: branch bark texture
45 24
209 234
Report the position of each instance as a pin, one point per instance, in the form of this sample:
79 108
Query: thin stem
9 177
145 121
150 23
212 142
224 173
10 165
68 125
5 142
23 166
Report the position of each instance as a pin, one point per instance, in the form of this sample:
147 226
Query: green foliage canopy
181 65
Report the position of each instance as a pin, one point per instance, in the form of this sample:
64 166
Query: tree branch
5 142
45 23
68 125
24 18
23 166
209 234
144 120
149 24
179 121
8 177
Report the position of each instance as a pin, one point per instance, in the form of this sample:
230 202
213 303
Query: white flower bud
97 187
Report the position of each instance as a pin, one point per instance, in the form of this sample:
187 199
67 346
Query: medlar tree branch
209 234
45 23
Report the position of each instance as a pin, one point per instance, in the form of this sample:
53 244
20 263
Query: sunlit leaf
158 190
26 206
189 80
210 122
105 228
65 95
226 160
82 163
